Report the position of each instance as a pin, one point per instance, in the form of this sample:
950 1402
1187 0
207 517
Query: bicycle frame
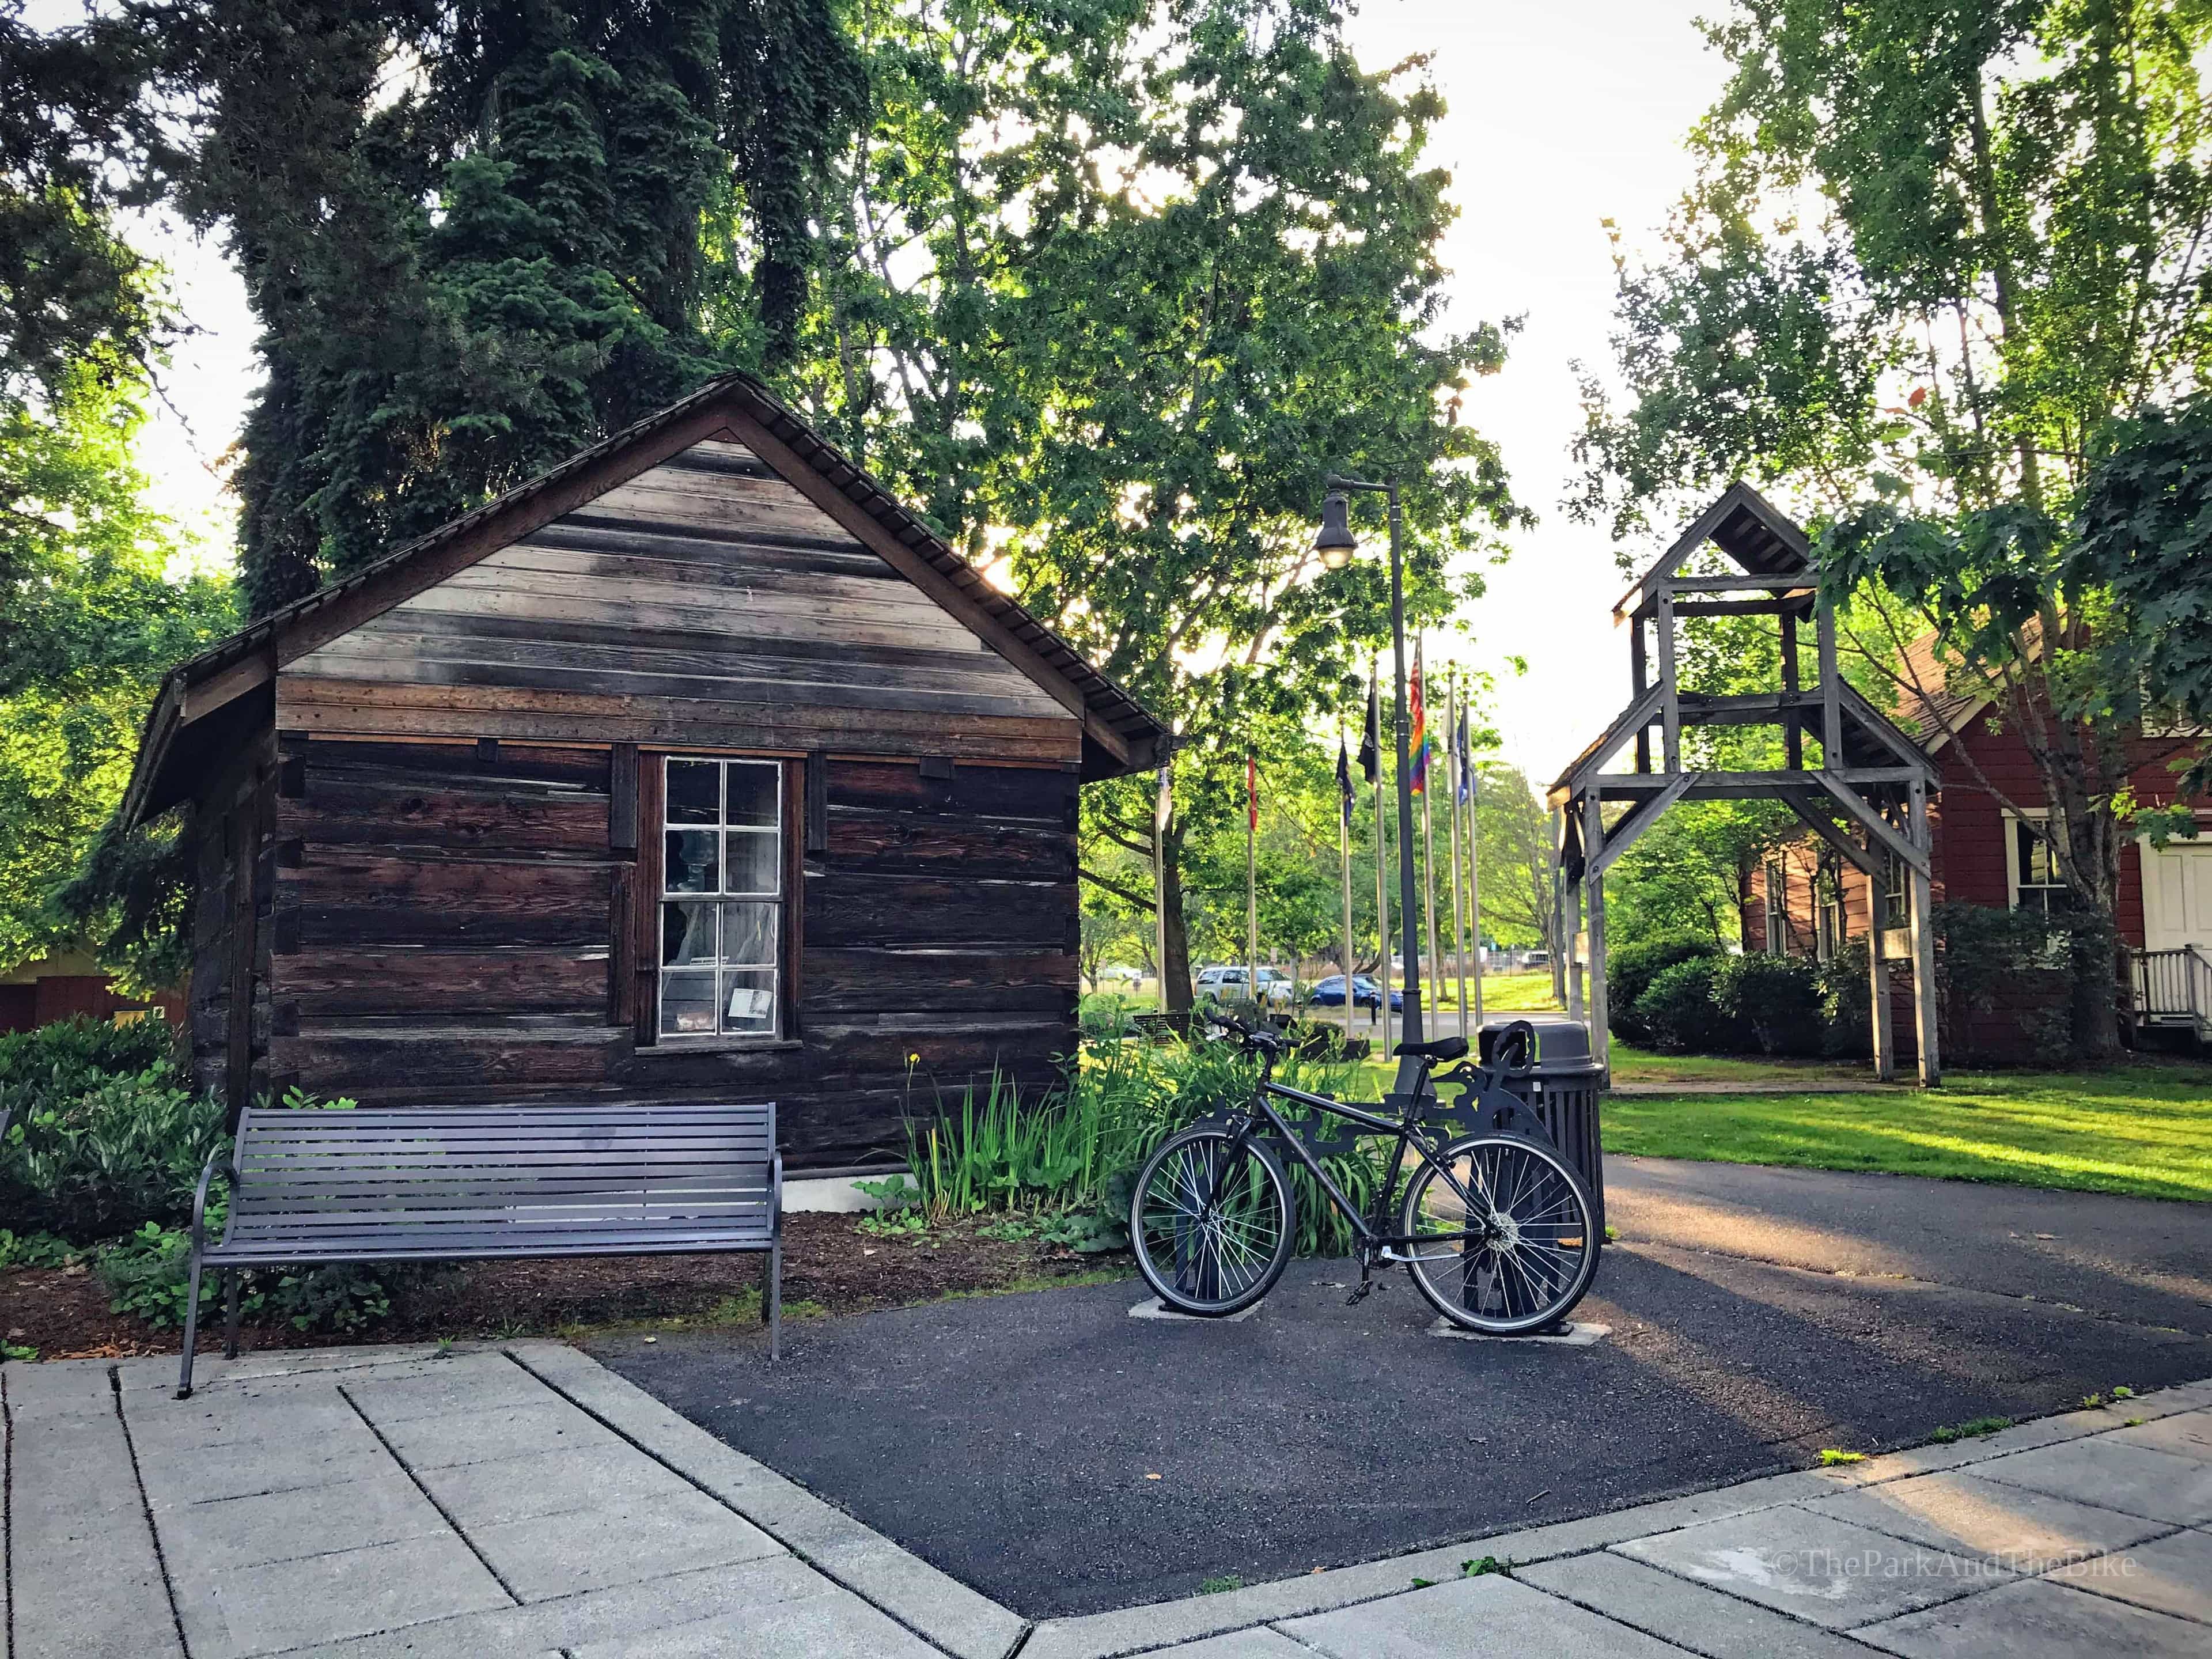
1403 1132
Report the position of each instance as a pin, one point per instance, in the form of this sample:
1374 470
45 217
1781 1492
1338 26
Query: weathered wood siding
704 603
444 914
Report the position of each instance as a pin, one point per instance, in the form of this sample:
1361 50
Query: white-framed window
1896 892
2029 867
1828 914
722 899
1777 907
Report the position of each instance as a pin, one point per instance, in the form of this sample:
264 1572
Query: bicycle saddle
1443 1048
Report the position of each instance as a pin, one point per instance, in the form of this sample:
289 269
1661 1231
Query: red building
62 987
1802 899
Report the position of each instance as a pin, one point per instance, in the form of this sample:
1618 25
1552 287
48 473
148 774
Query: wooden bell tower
1853 778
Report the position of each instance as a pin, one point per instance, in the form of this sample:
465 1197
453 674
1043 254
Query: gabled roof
1119 734
1743 524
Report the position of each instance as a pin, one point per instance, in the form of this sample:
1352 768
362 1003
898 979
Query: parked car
1365 994
1227 985
1536 958
1120 974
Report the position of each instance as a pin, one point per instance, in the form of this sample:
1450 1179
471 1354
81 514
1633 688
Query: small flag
1370 740
1420 750
1466 761
1252 788
1343 778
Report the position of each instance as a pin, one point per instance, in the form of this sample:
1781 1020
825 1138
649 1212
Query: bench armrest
218 1159
775 1194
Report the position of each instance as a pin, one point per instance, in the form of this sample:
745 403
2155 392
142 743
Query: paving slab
2025 1530
449 1439
1242 1645
2134 1479
229 1533
2173 1574
2036 1618
231 1613
1704 1620
506 1489
618 1542
817 1627
1817 1568
1487 1618
2188 1434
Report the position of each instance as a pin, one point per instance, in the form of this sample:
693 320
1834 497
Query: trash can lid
1556 1039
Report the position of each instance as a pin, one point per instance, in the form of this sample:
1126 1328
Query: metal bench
474 1182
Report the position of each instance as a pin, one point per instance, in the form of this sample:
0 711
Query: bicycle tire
1542 1248
1184 1223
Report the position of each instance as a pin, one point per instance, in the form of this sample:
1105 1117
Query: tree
462 284
1123 282
2005 248
93 621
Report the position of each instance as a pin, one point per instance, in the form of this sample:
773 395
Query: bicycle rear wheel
1213 1223
1514 1242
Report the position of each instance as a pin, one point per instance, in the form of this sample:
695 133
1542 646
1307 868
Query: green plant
1089 1232
1227 1580
1482 1566
1830 1457
1012 1230
16 1351
2122 1391
1423 1583
116 1151
893 1191
1631 968
892 1224
148 1274
38 1250
2133 1422
1681 1009
1970 1429
1776 999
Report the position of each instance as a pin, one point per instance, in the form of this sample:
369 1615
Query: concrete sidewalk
519 1499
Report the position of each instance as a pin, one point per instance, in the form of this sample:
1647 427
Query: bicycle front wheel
1504 1238
1213 1223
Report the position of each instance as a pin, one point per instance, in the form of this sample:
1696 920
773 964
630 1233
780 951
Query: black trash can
1562 1091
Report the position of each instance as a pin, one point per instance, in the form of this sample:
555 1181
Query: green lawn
2144 1130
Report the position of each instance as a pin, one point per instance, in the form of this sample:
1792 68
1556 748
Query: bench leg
772 1303
191 1328
230 1314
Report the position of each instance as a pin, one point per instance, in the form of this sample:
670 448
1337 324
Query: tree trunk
1174 972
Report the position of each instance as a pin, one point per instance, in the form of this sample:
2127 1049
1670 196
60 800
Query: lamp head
1336 543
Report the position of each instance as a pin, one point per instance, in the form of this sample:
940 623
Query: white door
2177 893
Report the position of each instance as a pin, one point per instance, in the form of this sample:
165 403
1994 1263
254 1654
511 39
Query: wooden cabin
699 767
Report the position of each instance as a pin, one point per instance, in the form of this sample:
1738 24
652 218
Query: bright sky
1562 115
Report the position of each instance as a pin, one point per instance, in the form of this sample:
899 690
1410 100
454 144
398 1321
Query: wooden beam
217 689
810 483
1592 760
1793 739
1883 1038
1594 880
1670 696
1824 827
1860 809
1923 919
1641 816
1640 683
1781 607
1832 705
1800 581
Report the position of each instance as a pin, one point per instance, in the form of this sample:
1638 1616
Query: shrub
1104 1015
110 1153
1847 1002
60 1061
1776 1000
1630 970
1681 1010
149 1273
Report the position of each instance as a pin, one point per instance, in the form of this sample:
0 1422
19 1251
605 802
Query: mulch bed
827 1262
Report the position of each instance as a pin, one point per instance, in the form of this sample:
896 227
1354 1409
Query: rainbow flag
1420 740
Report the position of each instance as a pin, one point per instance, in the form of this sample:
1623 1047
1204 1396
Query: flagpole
1474 875
1428 826
1382 887
1252 879
1455 782
1345 799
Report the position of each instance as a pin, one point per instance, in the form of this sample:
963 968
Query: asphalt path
1065 1458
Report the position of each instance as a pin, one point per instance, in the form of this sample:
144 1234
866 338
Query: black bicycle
1494 1226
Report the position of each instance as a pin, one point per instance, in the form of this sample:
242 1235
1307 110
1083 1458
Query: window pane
748 934
752 856
695 790
687 1005
752 793
748 1000
687 933
690 866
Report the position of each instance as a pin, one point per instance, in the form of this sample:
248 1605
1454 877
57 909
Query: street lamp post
1335 545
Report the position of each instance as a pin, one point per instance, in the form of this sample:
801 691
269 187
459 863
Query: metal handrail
2175 982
